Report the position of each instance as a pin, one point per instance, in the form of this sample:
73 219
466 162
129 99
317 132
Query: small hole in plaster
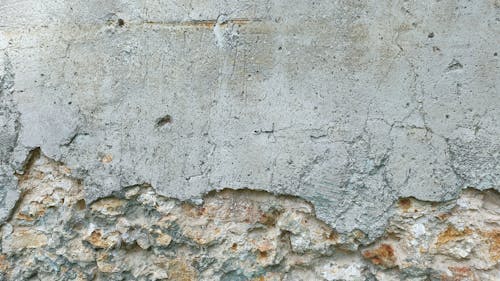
163 120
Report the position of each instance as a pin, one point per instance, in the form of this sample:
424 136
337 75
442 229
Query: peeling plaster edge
35 153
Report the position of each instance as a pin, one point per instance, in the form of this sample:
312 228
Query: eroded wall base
235 235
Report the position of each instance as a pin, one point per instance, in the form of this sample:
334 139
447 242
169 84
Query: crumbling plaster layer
136 234
347 104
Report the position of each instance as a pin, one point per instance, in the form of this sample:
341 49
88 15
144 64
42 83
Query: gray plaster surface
348 104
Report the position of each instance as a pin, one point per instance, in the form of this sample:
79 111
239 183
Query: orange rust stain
25 217
383 256
195 23
405 204
96 239
29 217
443 216
269 218
494 242
264 247
202 23
333 236
243 21
263 250
192 211
452 234
4 264
263 254
460 273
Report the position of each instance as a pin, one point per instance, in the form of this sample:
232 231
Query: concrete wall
334 110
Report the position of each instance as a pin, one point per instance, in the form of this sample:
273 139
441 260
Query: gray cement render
348 104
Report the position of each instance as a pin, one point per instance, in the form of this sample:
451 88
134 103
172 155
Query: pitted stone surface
136 234
347 104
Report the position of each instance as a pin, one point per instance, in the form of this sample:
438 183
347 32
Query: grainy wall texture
250 140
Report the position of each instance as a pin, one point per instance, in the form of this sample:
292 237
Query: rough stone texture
325 111
137 234
347 104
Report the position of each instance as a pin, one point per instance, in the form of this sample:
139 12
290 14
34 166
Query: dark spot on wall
163 120
405 203
263 254
430 35
269 218
121 22
454 65
333 236
80 204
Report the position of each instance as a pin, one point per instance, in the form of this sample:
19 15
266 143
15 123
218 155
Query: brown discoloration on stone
460 273
452 234
77 251
405 204
34 213
80 204
333 236
191 210
443 216
109 206
265 246
383 255
4 263
163 239
269 218
269 276
158 235
26 238
180 270
262 254
97 239
493 239
104 263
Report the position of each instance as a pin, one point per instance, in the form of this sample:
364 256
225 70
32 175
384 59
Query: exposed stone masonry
250 140
53 234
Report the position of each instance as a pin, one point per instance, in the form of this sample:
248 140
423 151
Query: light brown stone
109 206
24 238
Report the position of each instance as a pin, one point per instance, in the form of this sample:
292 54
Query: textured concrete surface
349 105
